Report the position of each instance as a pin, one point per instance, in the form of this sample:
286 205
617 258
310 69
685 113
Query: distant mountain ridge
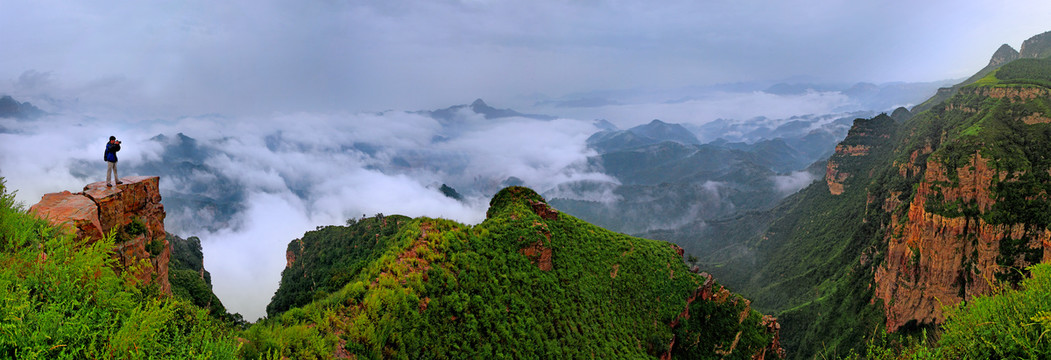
480 107
647 134
11 108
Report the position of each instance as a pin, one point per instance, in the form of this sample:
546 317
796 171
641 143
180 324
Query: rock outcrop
855 150
1038 46
1003 55
132 211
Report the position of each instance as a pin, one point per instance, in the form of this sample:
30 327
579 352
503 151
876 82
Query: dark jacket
111 152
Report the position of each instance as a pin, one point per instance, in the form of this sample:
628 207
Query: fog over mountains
246 186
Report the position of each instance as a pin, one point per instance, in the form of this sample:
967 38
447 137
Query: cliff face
914 214
935 260
973 219
133 210
855 151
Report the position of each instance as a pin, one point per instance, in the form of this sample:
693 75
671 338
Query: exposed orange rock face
290 256
73 212
100 209
835 178
859 143
852 150
912 167
543 210
540 255
1036 118
1013 93
949 106
933 260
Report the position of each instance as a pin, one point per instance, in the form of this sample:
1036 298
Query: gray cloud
791 183
255 57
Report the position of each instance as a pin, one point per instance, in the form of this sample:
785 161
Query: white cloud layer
304 170
238 57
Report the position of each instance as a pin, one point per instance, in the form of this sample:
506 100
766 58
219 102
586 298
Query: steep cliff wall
132 210
975 217
935 260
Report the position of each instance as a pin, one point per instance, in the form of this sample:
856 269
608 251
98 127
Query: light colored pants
111 167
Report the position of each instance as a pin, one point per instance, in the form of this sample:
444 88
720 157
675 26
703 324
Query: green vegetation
1026 71
59 300
326 259
526 283
191 282
128 232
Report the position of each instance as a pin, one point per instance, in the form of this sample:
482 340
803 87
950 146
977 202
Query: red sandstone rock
73 212
926 255
101 209
538 254
835 178
543 210
852 150
678 249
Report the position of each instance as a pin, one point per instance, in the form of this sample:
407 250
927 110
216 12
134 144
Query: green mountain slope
528 282
911 216
190 281
326 259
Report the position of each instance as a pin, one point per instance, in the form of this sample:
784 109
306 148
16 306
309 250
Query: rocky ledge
132 211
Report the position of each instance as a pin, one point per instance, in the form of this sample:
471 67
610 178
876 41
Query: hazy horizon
164 60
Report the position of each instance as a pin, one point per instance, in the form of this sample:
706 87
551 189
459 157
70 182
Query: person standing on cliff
112 147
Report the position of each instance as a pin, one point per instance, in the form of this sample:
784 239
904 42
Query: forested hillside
528 282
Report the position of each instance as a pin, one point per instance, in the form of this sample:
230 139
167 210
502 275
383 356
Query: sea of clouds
302 170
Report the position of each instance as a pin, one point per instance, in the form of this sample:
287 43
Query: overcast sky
170 58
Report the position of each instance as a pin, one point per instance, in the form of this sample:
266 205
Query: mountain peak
480 107
1003 55
661 131
11 108
1038 46
506 199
